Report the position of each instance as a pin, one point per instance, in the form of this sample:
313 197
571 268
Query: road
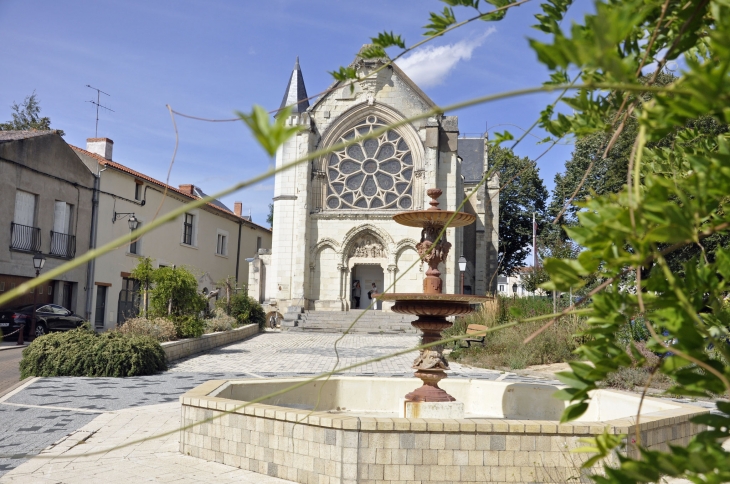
9 368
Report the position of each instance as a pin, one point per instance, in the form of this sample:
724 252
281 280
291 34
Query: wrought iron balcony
23 237
63 245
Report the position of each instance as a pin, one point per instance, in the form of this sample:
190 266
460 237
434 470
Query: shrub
221 322
160 329
188 326
245 309
82 352
176 290
504 348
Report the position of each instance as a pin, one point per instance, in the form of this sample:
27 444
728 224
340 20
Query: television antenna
99 92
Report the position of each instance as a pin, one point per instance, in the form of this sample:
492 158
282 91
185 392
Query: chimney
100 146
187 189
237 208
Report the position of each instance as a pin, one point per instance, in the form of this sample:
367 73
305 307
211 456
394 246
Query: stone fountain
432 308
361 429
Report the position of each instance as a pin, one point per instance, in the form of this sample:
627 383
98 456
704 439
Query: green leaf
574 411
388 39
344 74
270 135
439 23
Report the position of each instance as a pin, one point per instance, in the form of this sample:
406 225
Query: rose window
374 173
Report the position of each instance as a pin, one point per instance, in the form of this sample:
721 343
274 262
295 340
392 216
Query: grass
505 349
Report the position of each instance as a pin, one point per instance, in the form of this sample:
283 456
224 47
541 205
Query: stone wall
175 350
330 448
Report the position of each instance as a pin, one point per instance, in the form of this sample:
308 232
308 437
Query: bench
474 329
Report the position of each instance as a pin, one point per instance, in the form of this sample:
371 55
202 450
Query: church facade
333 222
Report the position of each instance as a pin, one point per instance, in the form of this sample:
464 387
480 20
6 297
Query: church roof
295 94
471 152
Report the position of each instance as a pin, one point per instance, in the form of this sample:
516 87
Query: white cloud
430 66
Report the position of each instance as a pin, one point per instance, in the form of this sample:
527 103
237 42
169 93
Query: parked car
49 317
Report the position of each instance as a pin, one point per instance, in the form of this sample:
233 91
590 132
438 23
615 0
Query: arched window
372 174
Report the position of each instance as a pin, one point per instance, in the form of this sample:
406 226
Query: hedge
83 352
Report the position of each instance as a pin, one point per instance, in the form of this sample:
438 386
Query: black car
49 317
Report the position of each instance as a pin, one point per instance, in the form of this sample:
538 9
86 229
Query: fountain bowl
511 431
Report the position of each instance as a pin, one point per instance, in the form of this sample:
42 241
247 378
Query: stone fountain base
432 409
511 431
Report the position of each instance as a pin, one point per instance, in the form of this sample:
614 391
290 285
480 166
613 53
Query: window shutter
61 217
24 208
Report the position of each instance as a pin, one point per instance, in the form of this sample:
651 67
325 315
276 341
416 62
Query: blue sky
211 58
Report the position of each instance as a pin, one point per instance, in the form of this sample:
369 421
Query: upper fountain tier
434 215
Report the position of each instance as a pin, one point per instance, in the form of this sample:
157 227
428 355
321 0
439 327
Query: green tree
27 116
144 272
270 216
523 194
175 293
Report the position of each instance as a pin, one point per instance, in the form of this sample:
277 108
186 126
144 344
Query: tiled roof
18 135
137 174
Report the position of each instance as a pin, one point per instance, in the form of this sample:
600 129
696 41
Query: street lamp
514 290
462 268
133 222
38 262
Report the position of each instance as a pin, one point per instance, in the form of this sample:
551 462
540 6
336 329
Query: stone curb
176 350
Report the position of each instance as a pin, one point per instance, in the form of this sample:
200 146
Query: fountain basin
511 432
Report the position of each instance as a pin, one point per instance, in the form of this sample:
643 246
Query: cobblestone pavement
155 460
45 410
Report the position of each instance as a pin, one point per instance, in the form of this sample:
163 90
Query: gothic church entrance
367 274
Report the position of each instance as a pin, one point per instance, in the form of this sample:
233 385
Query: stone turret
296 94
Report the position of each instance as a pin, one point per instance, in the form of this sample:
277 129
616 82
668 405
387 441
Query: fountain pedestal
432 308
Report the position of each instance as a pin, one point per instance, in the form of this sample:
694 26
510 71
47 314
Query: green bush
190 326
245 309
83 352
221 322
505 348
160 329
175 292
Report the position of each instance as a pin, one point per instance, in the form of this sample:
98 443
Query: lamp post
462 268
514 291
38 263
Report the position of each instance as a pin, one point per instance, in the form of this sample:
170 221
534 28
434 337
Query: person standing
356 292
373 294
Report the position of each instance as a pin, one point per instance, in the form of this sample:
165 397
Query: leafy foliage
160 329
270 216
27 116
83 352
518 200
269 135
245 309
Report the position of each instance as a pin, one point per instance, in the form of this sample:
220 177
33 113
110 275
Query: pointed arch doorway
367 275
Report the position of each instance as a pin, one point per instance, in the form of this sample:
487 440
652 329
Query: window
188 229
24 208
62 242
501 288
258 244
62 218
2 286
222 245
134 245
374 173
138 191
100 306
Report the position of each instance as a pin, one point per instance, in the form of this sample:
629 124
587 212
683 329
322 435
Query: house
514 285
212 241
46 195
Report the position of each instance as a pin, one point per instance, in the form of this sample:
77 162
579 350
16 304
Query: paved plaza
64 416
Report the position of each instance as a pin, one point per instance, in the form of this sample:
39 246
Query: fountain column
432 308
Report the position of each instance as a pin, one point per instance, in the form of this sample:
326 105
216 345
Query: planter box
182 348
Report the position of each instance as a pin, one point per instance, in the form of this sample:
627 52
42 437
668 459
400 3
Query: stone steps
337 322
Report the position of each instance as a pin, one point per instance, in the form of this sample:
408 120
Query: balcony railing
23 237
63 245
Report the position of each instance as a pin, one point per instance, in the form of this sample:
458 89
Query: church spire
296 94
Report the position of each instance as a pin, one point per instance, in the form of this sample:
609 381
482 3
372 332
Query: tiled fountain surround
518 440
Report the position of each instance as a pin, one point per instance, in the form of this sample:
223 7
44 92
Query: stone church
333 215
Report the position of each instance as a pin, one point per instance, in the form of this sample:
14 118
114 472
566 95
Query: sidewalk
154 460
